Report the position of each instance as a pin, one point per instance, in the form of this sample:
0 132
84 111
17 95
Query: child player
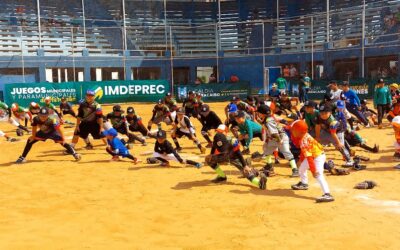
115 146
164 152
161 113
135 123
227 150
276 139
49 128
210 120
183 127
312 157
396 127
248 130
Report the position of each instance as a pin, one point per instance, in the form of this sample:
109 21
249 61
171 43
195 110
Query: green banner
25 93
106 91
127 91
214 92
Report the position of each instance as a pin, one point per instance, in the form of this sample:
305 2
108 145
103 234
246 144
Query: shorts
55 136
180 133
89 128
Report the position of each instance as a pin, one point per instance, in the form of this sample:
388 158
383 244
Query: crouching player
49 128
227 150
276 139
8 138
115 146
312 157
164 152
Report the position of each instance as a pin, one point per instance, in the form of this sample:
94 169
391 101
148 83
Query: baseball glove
366 185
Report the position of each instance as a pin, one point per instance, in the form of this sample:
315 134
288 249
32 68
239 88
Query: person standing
382 101
282 83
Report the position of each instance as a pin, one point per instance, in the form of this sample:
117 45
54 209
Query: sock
87 141
276 154
255 181
23 128
69 148
322 182
207 138
345 154
28 147
176 143
220 172
26 122
198 144
190 162
292 164
365 146
269 159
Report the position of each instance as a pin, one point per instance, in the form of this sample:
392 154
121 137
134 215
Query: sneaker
219 179
397 156
77 157
268 170
368 125
300 186
144 143
246 151
357 128
348 164
263 181
136 161
209 145
375 149
295 172
11 139
89 146
198 165
21 160
380 126
115 158
203 150
325 198
164 164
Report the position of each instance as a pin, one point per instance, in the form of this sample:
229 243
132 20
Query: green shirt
249 128
3 106
311 119
281 82
382 96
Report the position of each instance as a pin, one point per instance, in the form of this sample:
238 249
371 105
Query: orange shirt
310 147
396 128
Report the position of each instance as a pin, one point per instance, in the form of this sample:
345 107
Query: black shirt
89 112
211 120
166 148
48 126
117 121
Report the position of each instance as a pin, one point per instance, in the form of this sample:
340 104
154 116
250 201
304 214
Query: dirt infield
54 202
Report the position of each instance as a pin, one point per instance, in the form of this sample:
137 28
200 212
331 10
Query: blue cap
232 108
340 104
90 92
111 132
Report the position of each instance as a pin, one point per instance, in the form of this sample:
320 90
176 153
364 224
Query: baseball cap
44 111
274 85
130 110
90 92
235 98
160 101
181 110
232 108
34 104
299 126
240 114
333 82
325 108
345 83
161 134
47 99
204 109
394 85
221 128
168 94
111 132
340 104
310 104
117 108
264 109
381 81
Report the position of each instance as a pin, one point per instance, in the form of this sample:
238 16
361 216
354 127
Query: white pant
319 167
168 157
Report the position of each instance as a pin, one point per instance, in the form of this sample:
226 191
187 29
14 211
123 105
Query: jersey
190 103
311 119
65 107
166 148
273 128
117 121
310 147
160 111
48 126
21 113
132 120
223 144
89 112
171 103
184 124
330 124
250 128
210 121
118 147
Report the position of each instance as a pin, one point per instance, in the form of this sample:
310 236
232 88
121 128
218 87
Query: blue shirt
352 97
273 93
118 147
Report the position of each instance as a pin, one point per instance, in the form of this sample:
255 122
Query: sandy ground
53 202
